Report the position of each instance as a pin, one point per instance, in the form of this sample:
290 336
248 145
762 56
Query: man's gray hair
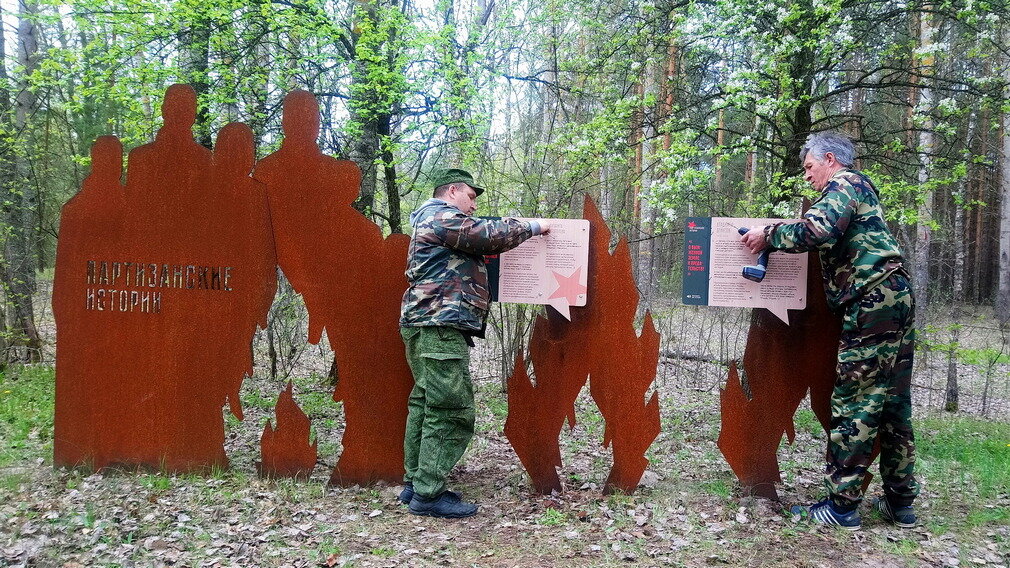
821 143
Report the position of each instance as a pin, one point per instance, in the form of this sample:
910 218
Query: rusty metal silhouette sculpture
161 282
536 413
285 449
158 290
781 363
599 342
352 280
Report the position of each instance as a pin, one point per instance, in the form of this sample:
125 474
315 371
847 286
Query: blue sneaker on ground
903 517
825 513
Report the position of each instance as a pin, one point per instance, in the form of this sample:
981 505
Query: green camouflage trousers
440 414
872 395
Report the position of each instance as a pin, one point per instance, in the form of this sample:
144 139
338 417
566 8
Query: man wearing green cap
444 307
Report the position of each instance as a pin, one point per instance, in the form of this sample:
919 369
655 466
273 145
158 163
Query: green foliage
903 547
984 357
311 400
965 456
257 399
383 552
806 420
498 407
939 339
155 482
26 414
676 109
552 518
718 487
381 56
990 515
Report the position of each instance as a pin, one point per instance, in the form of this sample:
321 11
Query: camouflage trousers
872 396
440 412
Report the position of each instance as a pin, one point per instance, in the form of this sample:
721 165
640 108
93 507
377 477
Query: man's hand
545 228
754 240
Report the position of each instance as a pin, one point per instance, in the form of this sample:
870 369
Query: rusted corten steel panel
159 287
600 342
781 363
538 412
352 280
285 450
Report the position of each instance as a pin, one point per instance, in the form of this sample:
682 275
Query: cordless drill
755 272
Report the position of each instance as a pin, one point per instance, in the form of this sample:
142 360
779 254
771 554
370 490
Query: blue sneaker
825 513
903 517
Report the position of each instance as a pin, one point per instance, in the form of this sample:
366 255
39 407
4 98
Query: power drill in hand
755 272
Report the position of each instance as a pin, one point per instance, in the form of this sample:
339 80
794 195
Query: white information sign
548 269
714 261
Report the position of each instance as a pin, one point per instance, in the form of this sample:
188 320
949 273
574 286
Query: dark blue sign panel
697 250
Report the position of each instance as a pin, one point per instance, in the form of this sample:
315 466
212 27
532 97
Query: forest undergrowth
689 510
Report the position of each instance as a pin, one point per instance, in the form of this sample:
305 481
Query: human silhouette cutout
351 279
158 292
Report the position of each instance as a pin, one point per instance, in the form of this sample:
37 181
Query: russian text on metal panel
160 284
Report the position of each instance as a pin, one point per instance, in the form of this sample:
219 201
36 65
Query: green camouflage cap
442 177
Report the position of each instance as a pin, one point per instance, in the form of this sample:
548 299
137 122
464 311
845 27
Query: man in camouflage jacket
444 307
864 280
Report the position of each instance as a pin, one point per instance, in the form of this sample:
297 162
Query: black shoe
825 513
448 505
407 494
903 517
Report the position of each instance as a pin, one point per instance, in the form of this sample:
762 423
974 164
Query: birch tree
1003 292
926 148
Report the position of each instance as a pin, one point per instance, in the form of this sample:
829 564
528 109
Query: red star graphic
568 287
691 225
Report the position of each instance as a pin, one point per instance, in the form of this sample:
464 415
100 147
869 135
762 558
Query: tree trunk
393 212
194 54
363 151
961 197
801 121
20 201
751 168
720 141
6 184
926 148
646 214
951 403
951 398
634 179
258 92
372 108
272 349
1003 292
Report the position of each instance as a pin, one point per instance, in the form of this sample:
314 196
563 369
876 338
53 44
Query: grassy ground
692 512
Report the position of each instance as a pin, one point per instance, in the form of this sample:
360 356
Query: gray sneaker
903 517
448 505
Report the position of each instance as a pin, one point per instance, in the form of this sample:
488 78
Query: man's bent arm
474 235
822 225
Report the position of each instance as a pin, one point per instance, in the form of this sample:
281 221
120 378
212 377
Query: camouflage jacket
846 227
446 276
